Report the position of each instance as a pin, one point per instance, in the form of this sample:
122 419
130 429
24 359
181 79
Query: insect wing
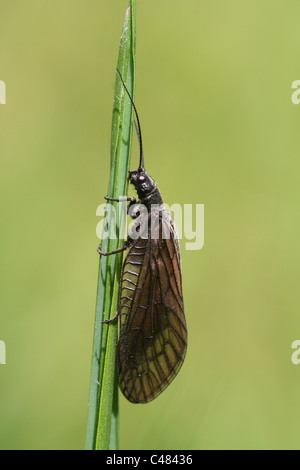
153 335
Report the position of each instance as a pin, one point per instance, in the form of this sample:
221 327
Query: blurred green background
219 128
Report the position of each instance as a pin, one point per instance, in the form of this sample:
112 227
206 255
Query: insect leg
121 199
119 250
111 319
132 200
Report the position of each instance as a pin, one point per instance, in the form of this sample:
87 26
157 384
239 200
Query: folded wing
153 334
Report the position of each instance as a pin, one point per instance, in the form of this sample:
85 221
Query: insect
153 334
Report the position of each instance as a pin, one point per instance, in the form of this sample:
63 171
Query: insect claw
107 321
114 252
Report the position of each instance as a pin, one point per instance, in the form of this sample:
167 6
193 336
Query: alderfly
153 335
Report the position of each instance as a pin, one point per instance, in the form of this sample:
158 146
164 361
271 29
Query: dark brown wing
153 335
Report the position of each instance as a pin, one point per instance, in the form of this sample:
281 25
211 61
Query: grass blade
102 430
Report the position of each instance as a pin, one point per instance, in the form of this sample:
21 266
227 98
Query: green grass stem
102 429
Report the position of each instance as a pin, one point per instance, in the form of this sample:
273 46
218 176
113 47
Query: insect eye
141 179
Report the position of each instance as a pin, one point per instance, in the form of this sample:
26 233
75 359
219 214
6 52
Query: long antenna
138 123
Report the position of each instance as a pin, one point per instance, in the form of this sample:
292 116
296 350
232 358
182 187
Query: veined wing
153 335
